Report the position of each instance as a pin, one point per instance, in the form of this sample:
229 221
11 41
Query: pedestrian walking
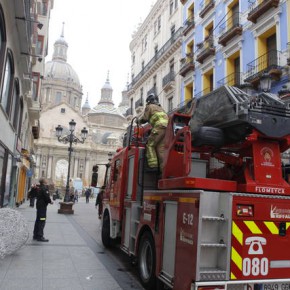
88 194
99 202
43 199
76 196
32 194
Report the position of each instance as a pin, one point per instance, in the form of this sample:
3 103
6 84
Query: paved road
73 259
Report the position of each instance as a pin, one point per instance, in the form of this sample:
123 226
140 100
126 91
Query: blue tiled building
234 42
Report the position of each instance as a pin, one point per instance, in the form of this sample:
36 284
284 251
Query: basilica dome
58 68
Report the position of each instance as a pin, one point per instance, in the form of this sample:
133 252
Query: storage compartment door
169 239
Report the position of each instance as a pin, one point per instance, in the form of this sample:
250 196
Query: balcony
174 42
206 7
205 49
168 82
234 79
258 9
269 62
187 64
229 29
139 105
188 25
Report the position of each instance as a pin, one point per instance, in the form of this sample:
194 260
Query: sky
98 34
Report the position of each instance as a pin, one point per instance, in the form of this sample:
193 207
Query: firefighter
43 199
158 119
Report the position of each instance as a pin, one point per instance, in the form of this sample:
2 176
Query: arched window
2 41
14 116
6 94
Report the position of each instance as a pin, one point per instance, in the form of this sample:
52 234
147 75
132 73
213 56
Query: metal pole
67 197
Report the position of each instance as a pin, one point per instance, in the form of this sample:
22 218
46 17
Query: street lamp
70 139
265 82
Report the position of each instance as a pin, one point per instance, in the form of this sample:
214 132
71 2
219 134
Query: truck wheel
147 261
106 231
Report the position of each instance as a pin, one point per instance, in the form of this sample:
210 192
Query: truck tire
106 231
147 261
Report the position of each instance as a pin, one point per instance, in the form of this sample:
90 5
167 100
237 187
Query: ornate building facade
61 96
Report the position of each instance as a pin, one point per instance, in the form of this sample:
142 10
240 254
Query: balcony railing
230 28
170 77
258 9
173 39
205 7
187 64
234 79
205 49
129 112
269 62
168 82
188 25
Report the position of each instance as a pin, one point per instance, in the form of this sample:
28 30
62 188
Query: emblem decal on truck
278 213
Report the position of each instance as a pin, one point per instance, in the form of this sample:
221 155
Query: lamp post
265 82
70 139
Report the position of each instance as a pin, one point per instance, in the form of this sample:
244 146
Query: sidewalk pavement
73 259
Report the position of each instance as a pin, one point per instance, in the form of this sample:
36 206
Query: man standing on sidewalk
43 199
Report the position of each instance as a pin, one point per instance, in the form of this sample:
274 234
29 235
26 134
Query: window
143 64
171 65
15 105
141 95
7 84
62 110
20 115
133 58
171 7
2 42
172 30
144 43
170 104
159 22
58 97
35 85
156 49
39 45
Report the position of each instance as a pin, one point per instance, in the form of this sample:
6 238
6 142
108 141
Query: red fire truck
218 216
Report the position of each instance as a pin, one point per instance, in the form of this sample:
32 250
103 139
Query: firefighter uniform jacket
43 198
155 115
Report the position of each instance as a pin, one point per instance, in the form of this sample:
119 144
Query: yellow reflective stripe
233 277
160 118
42 219
237 233
236 258
287 226
272 228
253 227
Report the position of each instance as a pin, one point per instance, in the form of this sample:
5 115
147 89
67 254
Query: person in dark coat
99 202
88 194
32 194
43 199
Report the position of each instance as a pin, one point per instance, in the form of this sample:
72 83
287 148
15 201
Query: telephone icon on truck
255 244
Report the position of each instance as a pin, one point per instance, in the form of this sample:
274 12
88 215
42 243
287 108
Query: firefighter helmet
152 99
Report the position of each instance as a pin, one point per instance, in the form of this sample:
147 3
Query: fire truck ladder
213 237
